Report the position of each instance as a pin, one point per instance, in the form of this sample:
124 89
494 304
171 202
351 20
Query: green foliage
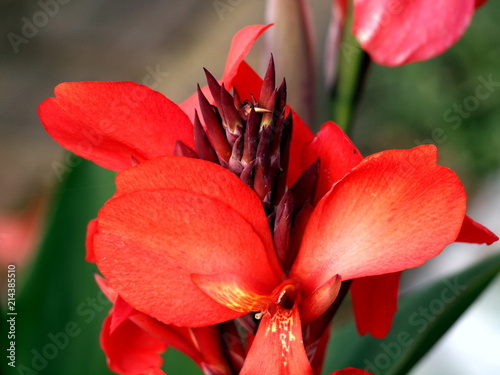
177 363
60 308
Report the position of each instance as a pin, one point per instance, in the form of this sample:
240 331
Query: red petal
240 46
208 179
301 136
247 82
337 154
399 32
394 211
89 241
473 232
149 243
108 291
375 301
111 122
131 350
121 312
177 337
351 371
180 338
319 300
236 72
277 348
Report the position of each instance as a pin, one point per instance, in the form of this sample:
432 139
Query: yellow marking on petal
283 322
230 291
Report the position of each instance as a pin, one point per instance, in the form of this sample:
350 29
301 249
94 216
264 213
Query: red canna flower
397 32
203 230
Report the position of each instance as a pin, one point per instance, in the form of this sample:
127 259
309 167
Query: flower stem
352 69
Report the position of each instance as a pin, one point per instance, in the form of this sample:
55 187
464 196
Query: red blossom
397 32
186 242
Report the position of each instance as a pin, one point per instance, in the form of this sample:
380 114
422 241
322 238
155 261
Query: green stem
353 66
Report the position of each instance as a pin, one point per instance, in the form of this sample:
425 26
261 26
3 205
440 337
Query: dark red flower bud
203 146
214 128
250 138
268 86
282 226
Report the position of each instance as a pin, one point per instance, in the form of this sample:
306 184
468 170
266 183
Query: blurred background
166 43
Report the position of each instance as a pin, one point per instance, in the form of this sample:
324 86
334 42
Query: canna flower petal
89 241
172 172
400 32
231 291
130 350
247 82
316 303
337 155
473 232
241 44
177 337
394 211
236 69
375 298
279 338
375 301
112 122
301 136
160 236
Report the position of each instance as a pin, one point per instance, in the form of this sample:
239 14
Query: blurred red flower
397 32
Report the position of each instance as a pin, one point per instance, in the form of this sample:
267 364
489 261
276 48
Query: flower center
288 297
252 139
284 296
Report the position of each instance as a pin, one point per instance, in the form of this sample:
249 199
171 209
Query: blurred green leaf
177 363
59 308
424 316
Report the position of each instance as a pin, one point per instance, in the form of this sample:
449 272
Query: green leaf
176 363
424 316
59 307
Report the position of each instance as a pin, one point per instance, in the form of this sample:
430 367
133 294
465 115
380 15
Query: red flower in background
188 242
397 32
